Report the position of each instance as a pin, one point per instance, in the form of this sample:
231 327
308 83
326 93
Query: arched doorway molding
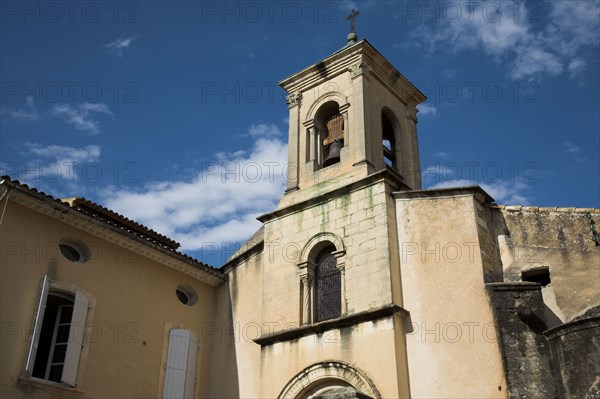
328 374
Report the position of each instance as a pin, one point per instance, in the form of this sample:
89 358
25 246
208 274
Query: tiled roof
114 219
96 210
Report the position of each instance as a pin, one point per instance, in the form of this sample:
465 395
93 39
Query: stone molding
293 99
359 69
336 96
519 208
340 322
377 177
120 237
326 371
411 113
335 239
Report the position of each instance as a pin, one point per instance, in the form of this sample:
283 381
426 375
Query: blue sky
169 112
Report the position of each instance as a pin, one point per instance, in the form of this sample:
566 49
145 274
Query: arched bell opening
391 139
329 123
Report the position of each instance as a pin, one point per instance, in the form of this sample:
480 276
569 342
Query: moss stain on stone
324 213
344 203
299 220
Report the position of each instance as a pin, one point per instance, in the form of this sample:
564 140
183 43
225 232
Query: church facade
359 285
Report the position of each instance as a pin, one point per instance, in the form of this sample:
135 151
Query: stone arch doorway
330 379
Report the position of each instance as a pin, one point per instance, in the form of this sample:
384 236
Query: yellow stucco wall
132 305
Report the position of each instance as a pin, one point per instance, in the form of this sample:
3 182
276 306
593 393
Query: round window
186 295
74 252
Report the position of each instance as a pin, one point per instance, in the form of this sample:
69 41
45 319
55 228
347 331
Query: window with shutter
180 372
58 332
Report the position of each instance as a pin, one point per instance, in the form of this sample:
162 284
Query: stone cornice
340 322
479 193
383 175
115 235
519 208
330 67
357 59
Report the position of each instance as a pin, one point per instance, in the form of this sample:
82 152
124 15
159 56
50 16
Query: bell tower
331 249
350 115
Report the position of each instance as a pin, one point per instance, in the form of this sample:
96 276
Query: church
361 284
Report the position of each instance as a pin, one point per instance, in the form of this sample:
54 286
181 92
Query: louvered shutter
180 373
76 332
190 379
37 327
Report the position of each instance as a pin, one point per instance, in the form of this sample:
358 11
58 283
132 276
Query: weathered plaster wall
451 337
360 217
238 322
559 238
368 346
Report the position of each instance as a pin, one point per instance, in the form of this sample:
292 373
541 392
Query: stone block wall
519 314
561 239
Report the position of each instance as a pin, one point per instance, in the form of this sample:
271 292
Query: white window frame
53 343
76 334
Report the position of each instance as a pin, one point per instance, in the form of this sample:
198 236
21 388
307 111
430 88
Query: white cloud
58 152
454 174
442 155
29 113
574 151
576 67
119 45
569 147
443 172
426 109
574 24
50 164
503 191
81 115
506 32
532 61
220 203
264 130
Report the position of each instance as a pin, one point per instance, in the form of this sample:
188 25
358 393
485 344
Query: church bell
333 153
335 140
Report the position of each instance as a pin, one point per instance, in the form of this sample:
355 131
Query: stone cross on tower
351 18
352 34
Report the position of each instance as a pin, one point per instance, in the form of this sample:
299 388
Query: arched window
389 141
328 299
322 285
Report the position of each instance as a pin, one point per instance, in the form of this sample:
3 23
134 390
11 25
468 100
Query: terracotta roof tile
111 218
